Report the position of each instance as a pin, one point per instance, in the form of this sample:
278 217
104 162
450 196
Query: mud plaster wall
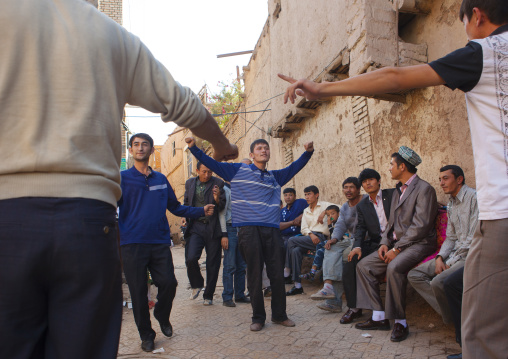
305 38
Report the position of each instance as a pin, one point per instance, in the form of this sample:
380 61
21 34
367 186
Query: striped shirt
255 193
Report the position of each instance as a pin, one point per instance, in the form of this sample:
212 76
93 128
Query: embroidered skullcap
410 155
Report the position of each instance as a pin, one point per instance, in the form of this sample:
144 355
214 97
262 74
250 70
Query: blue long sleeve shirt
255 194
143 205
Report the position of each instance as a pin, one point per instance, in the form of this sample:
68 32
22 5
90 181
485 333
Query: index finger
287 78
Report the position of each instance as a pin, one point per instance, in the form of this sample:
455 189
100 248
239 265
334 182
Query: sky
186 37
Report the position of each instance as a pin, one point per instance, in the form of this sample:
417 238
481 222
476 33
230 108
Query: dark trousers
157 258
296 248
201 237
259 246
349 273
454 287
60 279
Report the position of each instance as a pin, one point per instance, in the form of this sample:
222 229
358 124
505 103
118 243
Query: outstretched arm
225 170
284 175
385 80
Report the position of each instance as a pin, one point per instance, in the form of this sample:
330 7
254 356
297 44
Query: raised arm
179 210
225 170
385 80
284 175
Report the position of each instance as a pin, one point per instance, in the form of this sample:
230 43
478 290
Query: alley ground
222 332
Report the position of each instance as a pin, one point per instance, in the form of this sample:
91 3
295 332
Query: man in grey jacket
428 278
409 237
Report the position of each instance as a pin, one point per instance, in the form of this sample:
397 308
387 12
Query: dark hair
352 180
456 170
496 10
368 173
333 208
144 136
257 142
198 164
400 160
289 190
312 189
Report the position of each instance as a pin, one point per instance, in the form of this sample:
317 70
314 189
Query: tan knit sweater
66 73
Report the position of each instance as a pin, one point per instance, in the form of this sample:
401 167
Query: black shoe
229 303
288 280
374 325
295 291
242 300
454 356
267 292
399 332
147 345
166 329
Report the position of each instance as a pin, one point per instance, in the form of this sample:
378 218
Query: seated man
342 236
291 215
409 237
428 278
373 213
314 231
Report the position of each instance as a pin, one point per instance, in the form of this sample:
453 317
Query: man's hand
440 265
321 217
329 243
191 141
297 221
355 251
224 242
208 209
315 239
184 222
390 256
216 193
303 87
381 252
309 146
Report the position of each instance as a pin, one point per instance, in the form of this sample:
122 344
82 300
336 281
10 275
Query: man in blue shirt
145 239
291 215
255 198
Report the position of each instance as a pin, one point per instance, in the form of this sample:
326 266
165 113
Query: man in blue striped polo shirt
255 198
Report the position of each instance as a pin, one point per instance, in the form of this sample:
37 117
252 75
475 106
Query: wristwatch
396 250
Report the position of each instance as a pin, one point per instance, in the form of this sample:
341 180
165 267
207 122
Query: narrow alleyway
221 332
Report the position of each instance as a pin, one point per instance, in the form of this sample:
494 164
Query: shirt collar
500 30
135 171
379 197
462 192
254 167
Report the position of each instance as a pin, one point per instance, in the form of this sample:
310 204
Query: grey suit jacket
413 217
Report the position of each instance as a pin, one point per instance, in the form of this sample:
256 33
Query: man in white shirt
314 230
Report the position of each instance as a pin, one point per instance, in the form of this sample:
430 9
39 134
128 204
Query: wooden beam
292 126
235 54
304 112
392 97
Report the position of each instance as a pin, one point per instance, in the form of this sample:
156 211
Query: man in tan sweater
66 73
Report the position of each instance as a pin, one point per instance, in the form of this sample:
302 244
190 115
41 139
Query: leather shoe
454 356
288 280
256 327
374 325
166 329
242 300
350 316
147 345
286 323
399 332
229 303
295 291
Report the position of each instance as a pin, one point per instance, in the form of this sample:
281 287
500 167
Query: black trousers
259 246
201 237
349 273
157 258
454 288
60 279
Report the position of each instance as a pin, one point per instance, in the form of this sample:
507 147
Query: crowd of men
62 95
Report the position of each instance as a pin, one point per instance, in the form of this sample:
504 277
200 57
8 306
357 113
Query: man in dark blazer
204 232
409 237
373 212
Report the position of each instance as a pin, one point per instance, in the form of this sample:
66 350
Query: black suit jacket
368 228
188 198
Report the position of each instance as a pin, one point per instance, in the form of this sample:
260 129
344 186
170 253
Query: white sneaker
207 302
323 294
195 293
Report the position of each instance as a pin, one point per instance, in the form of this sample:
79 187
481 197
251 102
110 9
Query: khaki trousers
484 314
